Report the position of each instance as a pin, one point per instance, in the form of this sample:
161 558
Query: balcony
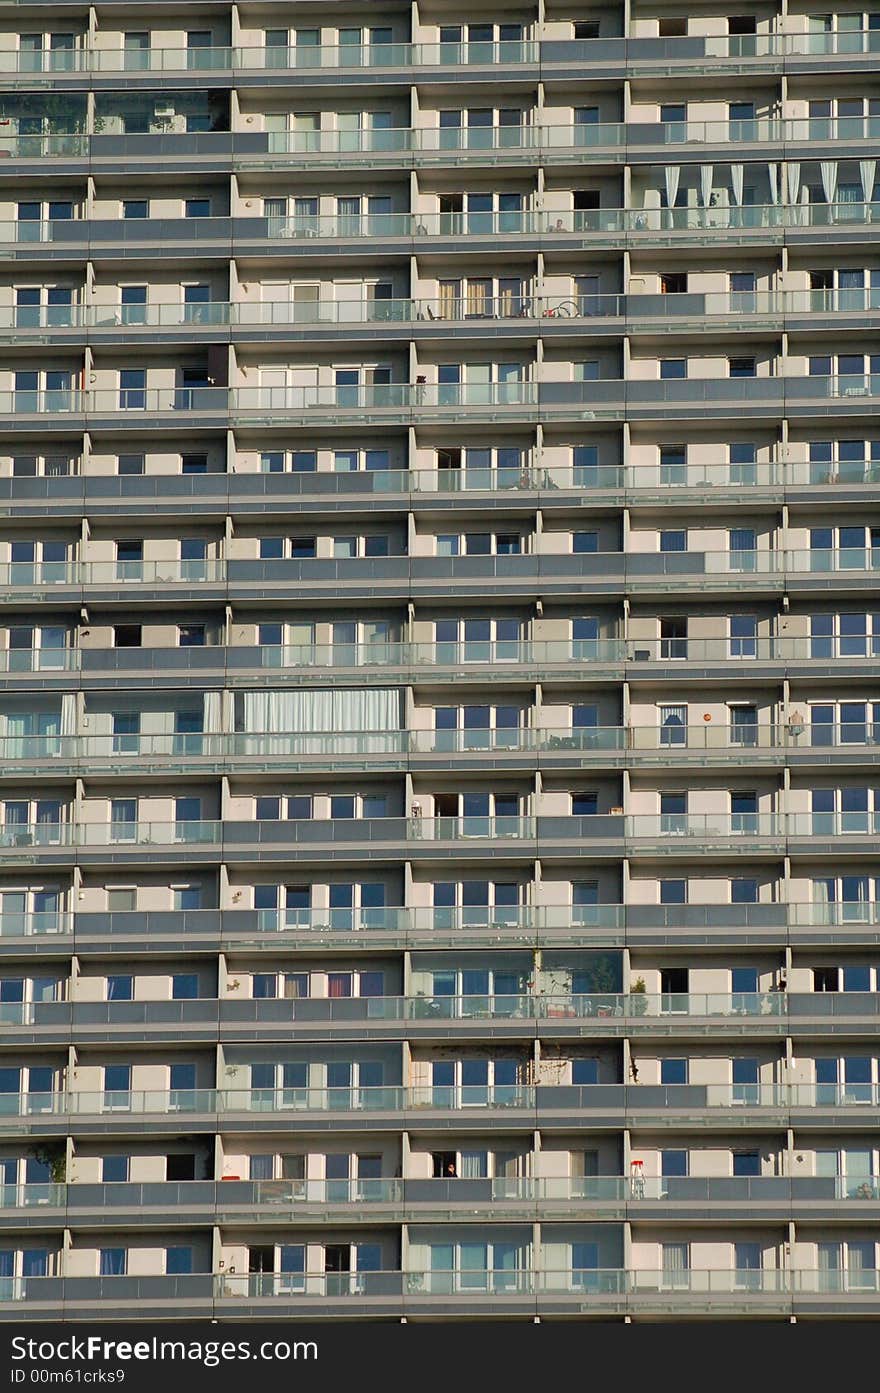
603 399
633 56
612 834
218 494
307 1202
395 147
714 1015
371 930
523 747
523 1291
561 315
517 1106
403 233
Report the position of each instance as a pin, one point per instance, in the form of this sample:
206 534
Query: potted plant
638 997
52 1155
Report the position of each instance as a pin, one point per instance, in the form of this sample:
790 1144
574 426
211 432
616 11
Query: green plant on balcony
638 997
52 1155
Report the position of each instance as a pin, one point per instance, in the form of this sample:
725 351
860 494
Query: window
673 1071
178 1261
673 638
112 1262
746 1085
135 208
132 388
673 540
673 814
120 987
743 890
126 732
674 283
184 986
673 892
133 300
197 208
742 367
673 1166
743 636
673 724
584 543
746 1163
672 369
114 1169
673 464
123 819
129 464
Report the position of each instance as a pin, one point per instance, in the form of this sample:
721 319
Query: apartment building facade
439 697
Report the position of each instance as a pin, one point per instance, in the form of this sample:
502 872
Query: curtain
474 1165
68 714
478 296
450 296
345 713
792 183
828 170
736 182
672 174
212 711
867 173
773 176
706 173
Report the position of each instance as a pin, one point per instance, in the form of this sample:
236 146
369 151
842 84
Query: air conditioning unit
164 113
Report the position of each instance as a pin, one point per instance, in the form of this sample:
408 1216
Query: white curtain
706 173
672 174
792 183
68 714
867 173
828 170
736 183
293 717
212 712
773 176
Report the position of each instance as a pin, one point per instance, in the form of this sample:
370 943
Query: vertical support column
413 291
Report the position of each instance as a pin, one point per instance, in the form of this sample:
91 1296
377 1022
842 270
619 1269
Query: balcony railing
609 396
305 1292
303 1199
427 1007
390 831
403 570
670 742
525 476
250 149
510 924
627 53
460 309
536 655
526 1100
190 235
